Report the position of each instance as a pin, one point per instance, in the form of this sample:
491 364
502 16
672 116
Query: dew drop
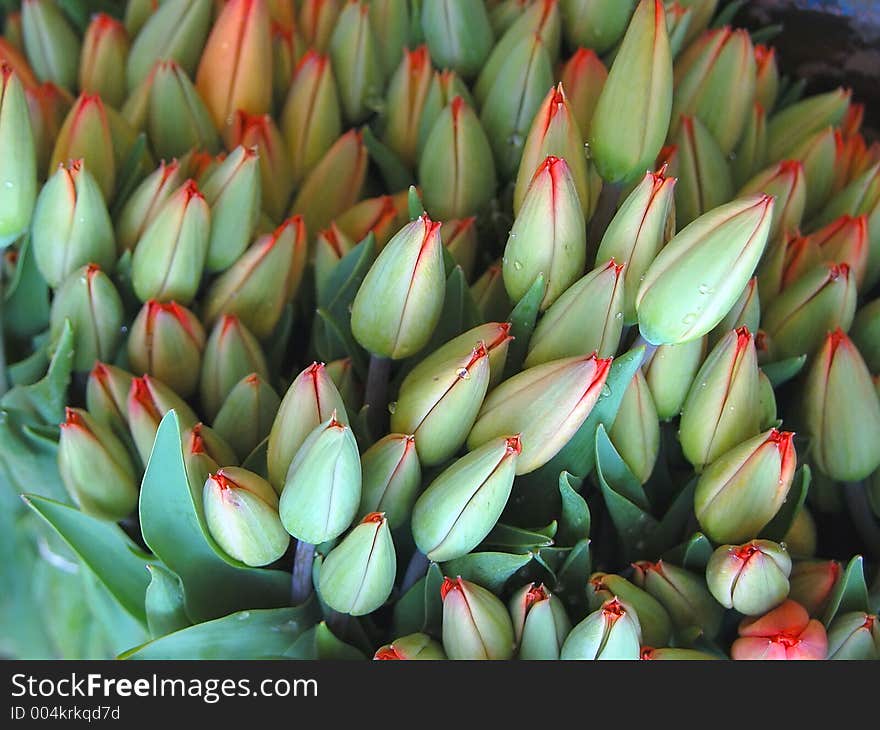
244 615
705 289
689 318
515 140
517 265
392 406
463 373
606 391
9 184
619 315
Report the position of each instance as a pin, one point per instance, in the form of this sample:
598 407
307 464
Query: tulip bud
95 467
790 127
357 576
476 624
461 506
378 216
540 622
145 202
865 334
842 411
720 411
463 185
669 371
854 635
321 197
444 87
390 20
258 132
310 400
322 488
241 512
583 78
231 353
148 401
103 59
495 337
548 236
52 46
846 240
746 312
751 578
818 155
106 394
460 239
203 453
786 182
640 80
655 622
610 632
331 245
635 432
166 341
391 478
587 317
458 34
812 582
246 415
801 538
317 19
785 633
489 294
596 24
343 375
405 102
47 107
750 154
413 646
18 163
401 298
766 76
742 490
682 593
13 33
668 653
545 404
357 61
799 318
704 179
698 276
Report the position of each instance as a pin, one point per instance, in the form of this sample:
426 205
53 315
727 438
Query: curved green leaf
490 570
164 602
783 370
574 522
850 593
522 324
692 554
319 642
420 609
26 309
797 495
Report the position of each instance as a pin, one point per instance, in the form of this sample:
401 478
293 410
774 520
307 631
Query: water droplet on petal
606 391
517 265
463 373
689 318
392 406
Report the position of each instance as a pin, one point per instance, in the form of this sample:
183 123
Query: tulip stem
376 390
418 566
649 348
301 580
606 207
868 529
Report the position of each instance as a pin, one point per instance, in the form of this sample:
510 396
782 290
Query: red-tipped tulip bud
655 622
47 107
495 337
106 394
14 57
750 154
52 46
287 49
766 76
540 622
746 312
378 216
461 240
812 582
85 134
317 19
786 183
444 87
259 133
330 247
412 647
390 20
405 102
854 635
18 162
610 632
750 578
476 624
636 429
670 371
846 240
704 179
357 61
103 59
818 155
148 401
596 24
785 633
489 293
583 77
246 415
145 202
391 478
790 127
458 35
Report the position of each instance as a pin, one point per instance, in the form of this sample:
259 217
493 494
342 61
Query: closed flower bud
672 654
322 489
145 202
330 247
458 34
246 415
310 400
357 61
317 18
103 58
495 337
204 452
405 102
545 404
844 240
669 371
85 134
357 576
390 20
698 276
476 624
704 179
842 411
640 81
489 293
678 23
51 45
766 401
682 593
460 238
18 161
443 88
812 582
865 334
767 76
596 24
610 632
258 132
95 467
88 298
801 316
235 68
655 622
750 154
462 183
47 107
231 353
790 127
548 236
378 216
750 578
401 298
391 478
720 411
413 647
635 432
583 77
742 490
540 622
746 312
785 633
106 394
854 635
344 377
461 506
148 401
166 341
786 182
818 155
334 184
287 49
241 512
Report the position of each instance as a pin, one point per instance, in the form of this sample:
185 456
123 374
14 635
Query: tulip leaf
616 472
790 92
32 368
395 174
164 602
522 324
692 554
850 592
319 642
490 570
130 174
333 340
783 370
104 548
571 578
414 204
779 526
459 313
26 297
253 634
29 457
725 15
256 460
673 524
279 340
574 521
767 33
213 583
519 539
420 609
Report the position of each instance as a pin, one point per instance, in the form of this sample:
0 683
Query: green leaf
725 15
29 458
395 174
213 583
518 539
164 602
617 473
26 305
113 628
522 324
674 523
574 522
32 368
850 593
420 609
276 347
490 570
130 174
102 546
256 460
766 34
319 642
255 634
783 370
797 495
692 554
571 578
414 203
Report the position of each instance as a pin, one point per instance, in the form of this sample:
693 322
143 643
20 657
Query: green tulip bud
52 46
412 646
540 622
766 76
390 20
653 618
344 377
476 624
750 578
95 467
668 653
148 401
103 59
18 162
545 404
259 132
854 635
322 489
458 34
844 240
331 245
317 18
596 24
90 301
246 416
766 401
405 102
583 77
818 154
801 538
391 478
635 432
704 181
786 182
460 239
865 333
610 632
401 298
742 490
746 312
357 576
443 87
145 202
106 394
241 512
495 337
790 127
750 154
203 453
357 62
669 371
461 506
812 582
